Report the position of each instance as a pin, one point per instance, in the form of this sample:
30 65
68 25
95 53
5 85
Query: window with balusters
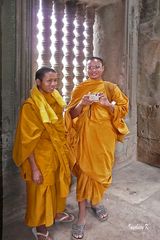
63 39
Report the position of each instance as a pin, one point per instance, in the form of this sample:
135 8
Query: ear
38 82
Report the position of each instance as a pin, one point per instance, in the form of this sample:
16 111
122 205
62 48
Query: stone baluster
46 33
88 32
35 30
79 45
56 39
69 14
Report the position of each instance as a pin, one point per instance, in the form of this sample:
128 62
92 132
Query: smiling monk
42 153
94 121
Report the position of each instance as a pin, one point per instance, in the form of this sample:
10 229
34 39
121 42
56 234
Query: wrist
111 106
80 104
34 168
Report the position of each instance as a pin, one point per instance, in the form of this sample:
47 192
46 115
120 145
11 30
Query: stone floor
133 203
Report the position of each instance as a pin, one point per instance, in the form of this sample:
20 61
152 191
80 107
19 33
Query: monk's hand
85 100
103 100
37 176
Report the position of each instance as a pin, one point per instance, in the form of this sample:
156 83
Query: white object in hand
94 97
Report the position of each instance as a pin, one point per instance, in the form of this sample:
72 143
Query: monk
94 121
43 155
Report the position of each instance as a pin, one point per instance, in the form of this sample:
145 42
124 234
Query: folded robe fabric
40 130
93 135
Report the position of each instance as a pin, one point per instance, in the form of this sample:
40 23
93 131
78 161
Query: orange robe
93 135
41 131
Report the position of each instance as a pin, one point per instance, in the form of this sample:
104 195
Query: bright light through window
71 42
39 35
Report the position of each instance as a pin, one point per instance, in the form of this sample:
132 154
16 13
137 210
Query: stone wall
13 186
100 3
1 177
116 41
149 84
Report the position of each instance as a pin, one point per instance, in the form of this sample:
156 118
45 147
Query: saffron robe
40 131
93 135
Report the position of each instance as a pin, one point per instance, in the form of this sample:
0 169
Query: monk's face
48 82
95 69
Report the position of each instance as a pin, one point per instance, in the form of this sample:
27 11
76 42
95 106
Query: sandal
99 212
36 234
67 217
78 231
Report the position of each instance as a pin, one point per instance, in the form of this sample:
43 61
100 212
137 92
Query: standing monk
94 121
42 153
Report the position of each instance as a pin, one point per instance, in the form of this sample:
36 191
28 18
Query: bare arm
36 174
76 111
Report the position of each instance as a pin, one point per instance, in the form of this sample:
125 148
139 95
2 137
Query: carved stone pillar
79 45
34 28
56 38
24 35
46 33
16 82
148 97
129 72
88 33
117 44
68 45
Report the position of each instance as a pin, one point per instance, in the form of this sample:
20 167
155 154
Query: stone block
148 151
148 10
157 27
99 3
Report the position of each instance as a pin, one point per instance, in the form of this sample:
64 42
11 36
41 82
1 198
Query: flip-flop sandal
36 234
78 230
67 218
99 211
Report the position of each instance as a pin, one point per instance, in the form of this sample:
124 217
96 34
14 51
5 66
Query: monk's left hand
103 100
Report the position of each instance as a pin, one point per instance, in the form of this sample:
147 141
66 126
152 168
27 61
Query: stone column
16 82
116 41
34 40
46 33
69 15
149 84
23 76
88 33
79 45
56 38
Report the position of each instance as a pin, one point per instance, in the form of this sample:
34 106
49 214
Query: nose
54 83
93 69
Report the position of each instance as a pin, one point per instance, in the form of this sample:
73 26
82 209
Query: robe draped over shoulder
40 131
93 135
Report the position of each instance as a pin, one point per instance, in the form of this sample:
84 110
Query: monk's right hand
37 176
85 100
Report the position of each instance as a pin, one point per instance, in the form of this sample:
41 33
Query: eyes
97 67
50 81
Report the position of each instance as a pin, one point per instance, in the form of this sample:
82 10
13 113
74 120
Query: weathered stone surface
149 9
8 77
149 121
14 196
108 39
149 151
149 84
157 27
149 134
99 3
